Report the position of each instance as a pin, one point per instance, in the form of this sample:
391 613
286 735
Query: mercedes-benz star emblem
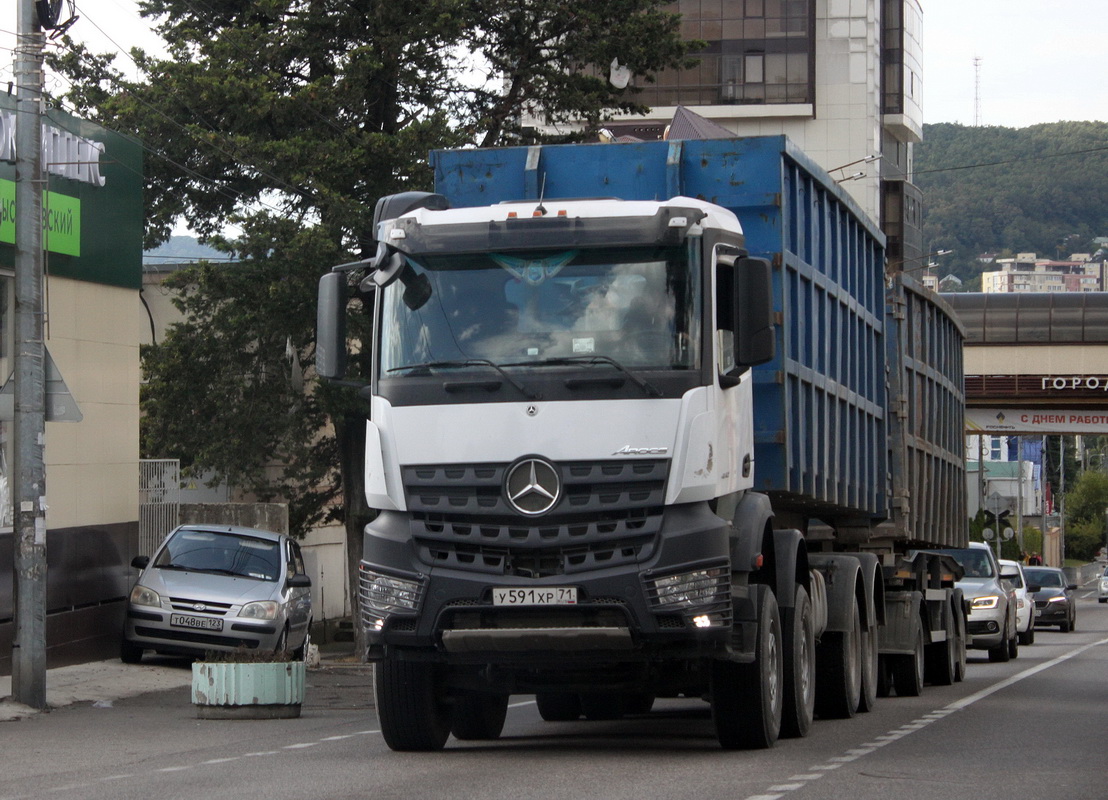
533 486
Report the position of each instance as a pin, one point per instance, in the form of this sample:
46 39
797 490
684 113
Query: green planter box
229 690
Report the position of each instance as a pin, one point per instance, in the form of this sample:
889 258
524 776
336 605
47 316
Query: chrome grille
187 605
609 515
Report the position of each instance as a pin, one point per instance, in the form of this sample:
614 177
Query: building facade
1028 273
840 78
92 238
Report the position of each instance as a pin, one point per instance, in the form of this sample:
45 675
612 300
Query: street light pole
29 486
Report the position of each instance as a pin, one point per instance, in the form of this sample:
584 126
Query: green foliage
1041 189
1084 539
224 390
288 119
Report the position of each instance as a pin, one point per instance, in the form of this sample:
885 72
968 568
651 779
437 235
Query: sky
1039 61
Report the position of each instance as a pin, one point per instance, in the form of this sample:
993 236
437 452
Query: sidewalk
102 682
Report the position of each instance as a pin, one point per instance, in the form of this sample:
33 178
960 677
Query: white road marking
855 753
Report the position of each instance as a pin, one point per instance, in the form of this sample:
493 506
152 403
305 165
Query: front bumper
985 628
621 613
1051 613
150 627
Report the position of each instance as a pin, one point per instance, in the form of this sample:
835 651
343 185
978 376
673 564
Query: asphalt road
1033 727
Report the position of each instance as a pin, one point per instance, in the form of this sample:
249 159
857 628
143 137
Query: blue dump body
822 408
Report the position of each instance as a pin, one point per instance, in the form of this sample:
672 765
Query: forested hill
1041 189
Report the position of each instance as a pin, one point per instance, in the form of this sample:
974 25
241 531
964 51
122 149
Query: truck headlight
684 590
142 596
385 594
986 601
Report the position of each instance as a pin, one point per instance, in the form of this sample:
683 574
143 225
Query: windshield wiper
470 362
572 360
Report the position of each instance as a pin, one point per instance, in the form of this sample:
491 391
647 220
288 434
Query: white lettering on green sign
61 220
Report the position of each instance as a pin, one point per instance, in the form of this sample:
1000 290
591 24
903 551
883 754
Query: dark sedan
1054 601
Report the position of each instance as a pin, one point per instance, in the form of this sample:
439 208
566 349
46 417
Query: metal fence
159 501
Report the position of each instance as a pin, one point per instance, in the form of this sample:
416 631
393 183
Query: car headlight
986 601
142 596
262 609
1057 600
1020 602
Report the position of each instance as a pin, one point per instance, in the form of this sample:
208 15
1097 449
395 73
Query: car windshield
221 553
1046 578
638 307
974 561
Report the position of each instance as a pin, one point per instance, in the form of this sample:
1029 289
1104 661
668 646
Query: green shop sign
61 220
92 204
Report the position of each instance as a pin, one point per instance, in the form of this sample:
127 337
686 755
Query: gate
159 501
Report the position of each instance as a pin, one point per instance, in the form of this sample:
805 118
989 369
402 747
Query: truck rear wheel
799 642
410 706
747 698
478 715
558 706
839 670
867 697
908 670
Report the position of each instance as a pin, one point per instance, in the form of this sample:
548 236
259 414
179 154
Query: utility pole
29 485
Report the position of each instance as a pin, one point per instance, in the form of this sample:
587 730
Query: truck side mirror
756 340
744 314
330 328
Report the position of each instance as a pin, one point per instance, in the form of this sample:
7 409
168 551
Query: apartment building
1027 273
840 78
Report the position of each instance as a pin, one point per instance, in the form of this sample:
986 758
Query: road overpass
1035 363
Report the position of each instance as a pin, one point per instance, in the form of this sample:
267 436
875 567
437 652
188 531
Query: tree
1086 510
287 119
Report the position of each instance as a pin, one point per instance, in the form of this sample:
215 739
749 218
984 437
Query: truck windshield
638 307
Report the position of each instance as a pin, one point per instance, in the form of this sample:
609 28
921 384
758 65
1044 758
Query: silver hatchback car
219 588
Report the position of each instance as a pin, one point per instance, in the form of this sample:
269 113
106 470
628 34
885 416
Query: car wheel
130 653
1064 627
1001 652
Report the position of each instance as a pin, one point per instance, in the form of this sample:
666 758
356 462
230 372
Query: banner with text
1015 420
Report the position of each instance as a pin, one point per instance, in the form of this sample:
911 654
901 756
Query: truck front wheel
479 715
558 706
747 698
410 707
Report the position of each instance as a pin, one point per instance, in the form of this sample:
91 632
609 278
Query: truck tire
799 644
640 703
839 670
558 706
908 670
478 715
599 707
867 697
410 708
958 606
940 666
747 699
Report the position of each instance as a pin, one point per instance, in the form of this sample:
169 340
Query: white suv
991 624
1011 573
